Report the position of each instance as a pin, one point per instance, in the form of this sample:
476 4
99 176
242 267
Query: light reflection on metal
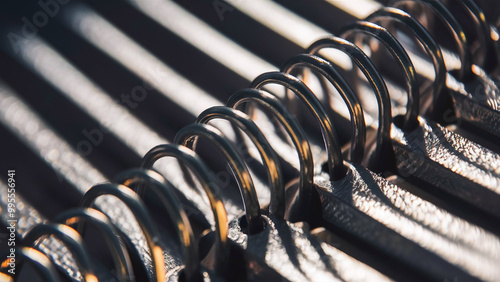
303 32
114 118
361 9
27 217
49 64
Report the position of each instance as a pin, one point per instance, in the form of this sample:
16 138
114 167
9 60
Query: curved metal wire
336 166
269 157
402 58
134 203
41 263
98 219
430 45
188 136
299 209
326 69
71 239
191 160
487 56
376 81
454 27
164 191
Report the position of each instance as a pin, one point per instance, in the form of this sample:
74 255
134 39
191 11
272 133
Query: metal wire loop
118 251
486 55
198 167
188 136
269 157
454 27
164 191
430 45
376 82
41 263
71 239
326 69
298 210
134 203
401 57
336 166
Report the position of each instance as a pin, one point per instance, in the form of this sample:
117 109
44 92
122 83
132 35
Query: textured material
448 162
361 196
298 256
478 101
27 217
31 128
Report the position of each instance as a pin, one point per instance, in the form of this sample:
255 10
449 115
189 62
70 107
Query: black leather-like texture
449 163
478 101
298 256
398 223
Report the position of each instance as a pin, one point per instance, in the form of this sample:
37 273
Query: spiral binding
296 210
43 265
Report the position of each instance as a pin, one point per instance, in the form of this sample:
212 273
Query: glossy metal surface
148 179
191 160
91 216
430 45
134 203
298 209
485 55
374 78
402 58
71 239
332 145
454 27
188 136
269 157
352 102
42 264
